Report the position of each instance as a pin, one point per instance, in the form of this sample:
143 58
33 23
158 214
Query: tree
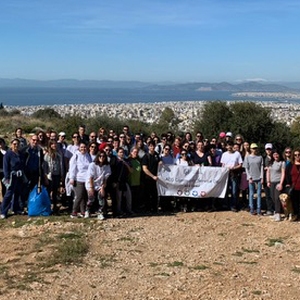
214 118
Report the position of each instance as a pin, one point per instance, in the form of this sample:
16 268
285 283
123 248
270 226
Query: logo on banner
179 192
195 193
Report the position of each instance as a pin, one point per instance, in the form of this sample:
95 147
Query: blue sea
50 96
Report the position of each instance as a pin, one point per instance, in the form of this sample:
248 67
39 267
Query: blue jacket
12 162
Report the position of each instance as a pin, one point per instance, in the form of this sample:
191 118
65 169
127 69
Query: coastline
150 113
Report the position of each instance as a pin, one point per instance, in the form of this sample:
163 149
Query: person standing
150 167
254 167
33 164
233 161
79 164
267 160
13 179
275 181
292 178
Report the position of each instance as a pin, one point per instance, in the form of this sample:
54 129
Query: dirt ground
198 255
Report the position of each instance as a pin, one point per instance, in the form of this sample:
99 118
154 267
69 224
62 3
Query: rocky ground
199 255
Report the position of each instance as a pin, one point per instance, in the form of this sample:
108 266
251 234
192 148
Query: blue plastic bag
39 204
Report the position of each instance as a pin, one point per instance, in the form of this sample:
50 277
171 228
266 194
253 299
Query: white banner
194 182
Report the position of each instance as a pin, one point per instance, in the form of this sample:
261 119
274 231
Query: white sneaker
86 214
100 217
2 217
277 218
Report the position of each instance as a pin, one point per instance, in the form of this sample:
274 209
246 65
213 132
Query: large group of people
123 167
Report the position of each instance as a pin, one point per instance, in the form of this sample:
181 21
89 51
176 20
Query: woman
183 159
19 136
122 188
72 148
292 178
200 157
97 175
93 149
53 168
42 140
2 153
254 167
275 180
134 179
166 156
287 155
13 169
239 140
79 164
176 146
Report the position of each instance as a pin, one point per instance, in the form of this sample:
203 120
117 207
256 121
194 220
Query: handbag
39 203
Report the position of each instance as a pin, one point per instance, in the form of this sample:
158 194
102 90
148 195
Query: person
287 155
79 164
292 179
267 159
160 146
72 148
33 164
275 180
19 136
123 170
166 157
134 179
61 143
200 157
233 161
93 149
54 170
2 153
97 175
13 168
254 167
176 147
83 137
42 139
150 167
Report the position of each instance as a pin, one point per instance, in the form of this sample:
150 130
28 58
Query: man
233 161
84 138
33 161
150 166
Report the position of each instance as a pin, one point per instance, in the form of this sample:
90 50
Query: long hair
52 153
96 160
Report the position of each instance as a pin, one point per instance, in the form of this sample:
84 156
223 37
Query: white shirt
230 160
98 173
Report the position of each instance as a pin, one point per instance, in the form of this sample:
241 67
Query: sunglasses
297 154
168 149
183 154
101 156
75 137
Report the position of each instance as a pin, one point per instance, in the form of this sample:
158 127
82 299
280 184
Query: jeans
233 185
256 184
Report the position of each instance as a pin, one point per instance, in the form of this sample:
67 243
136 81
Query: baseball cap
253 146
229 134
222 134
62 133
268 146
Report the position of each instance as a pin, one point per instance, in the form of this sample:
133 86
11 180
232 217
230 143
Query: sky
150 40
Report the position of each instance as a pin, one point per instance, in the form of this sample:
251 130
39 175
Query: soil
197 255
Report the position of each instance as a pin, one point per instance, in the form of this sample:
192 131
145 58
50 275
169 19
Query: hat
253 146
62 133
222 134
229 134
268 146
102 146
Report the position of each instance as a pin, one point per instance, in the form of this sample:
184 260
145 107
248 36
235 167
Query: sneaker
277 218
100 217
86 214
2 216
268 213
80 215
74 215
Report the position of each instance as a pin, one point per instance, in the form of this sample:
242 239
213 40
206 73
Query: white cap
62 133
268 146
229 134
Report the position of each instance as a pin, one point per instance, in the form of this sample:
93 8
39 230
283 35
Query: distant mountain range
250 86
